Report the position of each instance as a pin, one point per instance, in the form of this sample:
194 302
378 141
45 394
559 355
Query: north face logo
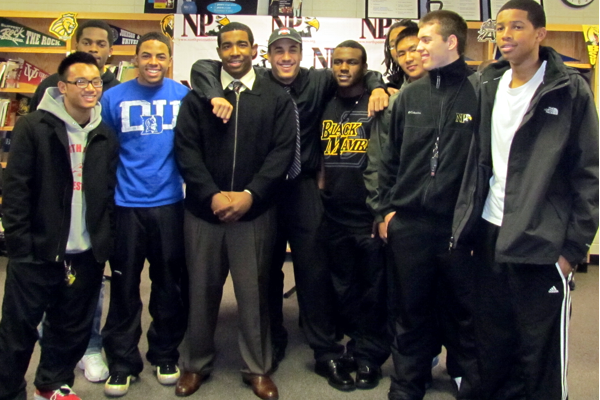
551 111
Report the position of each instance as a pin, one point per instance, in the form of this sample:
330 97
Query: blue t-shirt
144 118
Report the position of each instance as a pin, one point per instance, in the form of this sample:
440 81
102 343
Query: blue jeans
95 343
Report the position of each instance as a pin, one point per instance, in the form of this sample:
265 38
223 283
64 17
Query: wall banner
13 34
195 38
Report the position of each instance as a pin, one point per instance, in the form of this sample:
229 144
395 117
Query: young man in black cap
528 207
300 209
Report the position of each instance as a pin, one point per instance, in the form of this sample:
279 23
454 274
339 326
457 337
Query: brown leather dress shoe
262 386
189 383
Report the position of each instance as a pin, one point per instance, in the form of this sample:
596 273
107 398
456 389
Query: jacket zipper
431 177
235 137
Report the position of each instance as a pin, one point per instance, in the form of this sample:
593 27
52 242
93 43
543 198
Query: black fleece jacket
439 106
551 202
252 151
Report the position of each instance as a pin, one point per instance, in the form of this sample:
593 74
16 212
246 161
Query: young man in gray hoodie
58 201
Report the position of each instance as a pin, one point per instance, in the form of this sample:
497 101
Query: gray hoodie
53 102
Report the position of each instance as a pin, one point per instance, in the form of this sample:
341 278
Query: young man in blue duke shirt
149 219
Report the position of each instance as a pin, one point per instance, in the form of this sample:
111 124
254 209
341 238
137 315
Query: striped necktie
295 168
236 86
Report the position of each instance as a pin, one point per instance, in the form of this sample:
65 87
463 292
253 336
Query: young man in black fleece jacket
95 37
232 172
300 210
421 170
528 207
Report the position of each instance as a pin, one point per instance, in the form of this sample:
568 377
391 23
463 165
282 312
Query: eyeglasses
83 83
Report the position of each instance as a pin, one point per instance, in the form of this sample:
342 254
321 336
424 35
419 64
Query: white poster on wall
496 5
470 10
393 8
195 38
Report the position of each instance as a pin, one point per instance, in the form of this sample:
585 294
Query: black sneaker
167 374
117 384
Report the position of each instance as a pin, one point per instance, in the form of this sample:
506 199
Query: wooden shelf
6 128
39 50
17 90
85 15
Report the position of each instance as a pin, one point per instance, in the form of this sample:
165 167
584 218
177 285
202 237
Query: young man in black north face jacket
528 207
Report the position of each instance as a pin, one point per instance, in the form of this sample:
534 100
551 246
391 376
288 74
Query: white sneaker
94 367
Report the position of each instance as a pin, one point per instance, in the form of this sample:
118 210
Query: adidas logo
553 289
551 110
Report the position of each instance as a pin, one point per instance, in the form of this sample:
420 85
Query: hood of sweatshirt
53 102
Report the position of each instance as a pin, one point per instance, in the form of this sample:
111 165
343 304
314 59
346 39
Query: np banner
590 32
13 34
195 38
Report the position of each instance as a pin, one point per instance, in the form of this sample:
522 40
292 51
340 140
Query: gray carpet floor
295 378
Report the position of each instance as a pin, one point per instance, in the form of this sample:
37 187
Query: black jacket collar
450 74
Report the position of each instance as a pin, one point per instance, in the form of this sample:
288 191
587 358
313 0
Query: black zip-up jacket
109 80
551 202
311 90
38 188
252 151
442 105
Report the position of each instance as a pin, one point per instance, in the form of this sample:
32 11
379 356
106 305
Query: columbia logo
415 112
551 110
553 289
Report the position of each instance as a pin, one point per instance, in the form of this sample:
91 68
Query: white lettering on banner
146 121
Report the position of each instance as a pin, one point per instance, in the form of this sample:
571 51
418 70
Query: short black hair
355 45
450 24
235 26
78 57
408 32
153 36
535 12
95 23
392 70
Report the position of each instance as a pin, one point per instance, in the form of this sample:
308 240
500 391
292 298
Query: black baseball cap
285 33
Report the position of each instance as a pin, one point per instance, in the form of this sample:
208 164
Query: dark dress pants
244 249
156 234
33 287
299 215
